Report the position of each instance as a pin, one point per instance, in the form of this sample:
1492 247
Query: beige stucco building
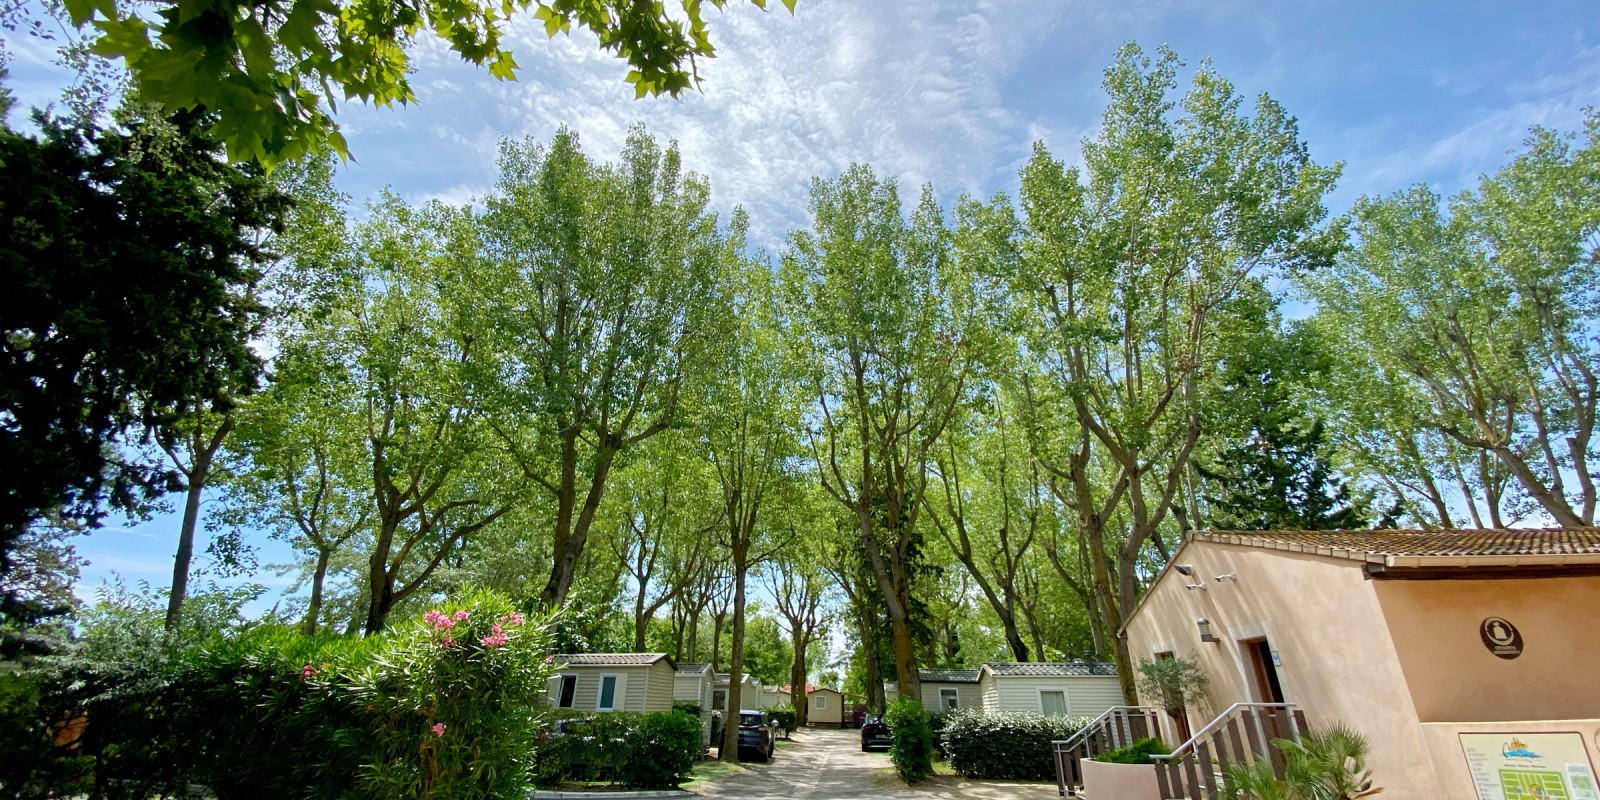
1431 643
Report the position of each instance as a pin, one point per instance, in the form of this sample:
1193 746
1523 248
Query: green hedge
785 718
1003 745
912 748
1139 752
644 751
441 706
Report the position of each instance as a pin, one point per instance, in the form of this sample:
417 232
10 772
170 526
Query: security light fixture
1201 585
1205 630
1230 576
1184 569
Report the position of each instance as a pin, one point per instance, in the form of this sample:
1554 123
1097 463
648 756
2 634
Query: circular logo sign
1501 637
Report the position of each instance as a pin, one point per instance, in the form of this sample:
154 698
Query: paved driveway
820 764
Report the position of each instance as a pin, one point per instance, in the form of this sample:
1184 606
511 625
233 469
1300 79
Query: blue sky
955 92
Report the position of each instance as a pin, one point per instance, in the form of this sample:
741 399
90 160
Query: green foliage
438 707
268 68
690 707
785 718
1326 764
1464 328
1004 745
130 258
662 751
645 751
1139 752
912 749
1271 465
1173 682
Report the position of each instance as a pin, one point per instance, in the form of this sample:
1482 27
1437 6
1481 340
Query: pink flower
438 729
549 659
439 621
447 642
461 616
305 674
494 641
513 619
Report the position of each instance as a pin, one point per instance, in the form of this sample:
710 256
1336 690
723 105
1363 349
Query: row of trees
945 434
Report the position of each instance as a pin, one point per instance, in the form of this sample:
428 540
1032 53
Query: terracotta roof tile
1376 545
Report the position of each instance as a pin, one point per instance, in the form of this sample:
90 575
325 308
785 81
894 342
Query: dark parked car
874 733
755 736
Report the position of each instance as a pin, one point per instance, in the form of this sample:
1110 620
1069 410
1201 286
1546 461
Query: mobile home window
610 687
821 702
1053 702
567 692
949 699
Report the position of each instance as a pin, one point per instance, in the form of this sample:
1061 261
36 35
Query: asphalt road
822 764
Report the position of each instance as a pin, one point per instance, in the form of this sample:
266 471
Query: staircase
1193 771
1119 727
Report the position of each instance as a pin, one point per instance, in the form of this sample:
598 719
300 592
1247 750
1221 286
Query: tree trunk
202 454
797 679
180 561
314 608
729 750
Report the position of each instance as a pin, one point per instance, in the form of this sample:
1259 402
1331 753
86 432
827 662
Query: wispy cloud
918 96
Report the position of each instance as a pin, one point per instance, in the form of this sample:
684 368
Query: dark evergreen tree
1275 470
129 258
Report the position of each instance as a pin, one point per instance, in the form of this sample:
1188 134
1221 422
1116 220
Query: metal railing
1118 727
1242 733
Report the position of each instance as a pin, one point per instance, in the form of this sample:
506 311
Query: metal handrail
1182 770
1116 725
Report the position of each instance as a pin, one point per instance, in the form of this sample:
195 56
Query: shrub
1330 763
1003 745
1139 752
690 707
661 751
652 751
912 749
440 706
785 718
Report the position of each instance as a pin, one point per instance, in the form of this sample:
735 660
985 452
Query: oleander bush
1004 745
912 748
440 706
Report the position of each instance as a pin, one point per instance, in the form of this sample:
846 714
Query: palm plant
1327 764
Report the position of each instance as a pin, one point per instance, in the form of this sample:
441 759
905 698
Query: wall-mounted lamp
1231 576
1205 630
1184 569
1200 585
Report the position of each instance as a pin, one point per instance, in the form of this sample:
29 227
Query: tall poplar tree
1131 267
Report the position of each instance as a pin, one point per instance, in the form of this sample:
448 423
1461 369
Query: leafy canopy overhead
264 67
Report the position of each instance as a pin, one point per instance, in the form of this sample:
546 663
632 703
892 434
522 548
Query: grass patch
709 771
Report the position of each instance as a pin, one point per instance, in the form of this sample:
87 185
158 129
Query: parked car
875 733
755 736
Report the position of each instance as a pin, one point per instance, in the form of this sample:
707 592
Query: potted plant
1173 683
1128 773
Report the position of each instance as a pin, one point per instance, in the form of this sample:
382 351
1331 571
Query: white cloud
918 96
